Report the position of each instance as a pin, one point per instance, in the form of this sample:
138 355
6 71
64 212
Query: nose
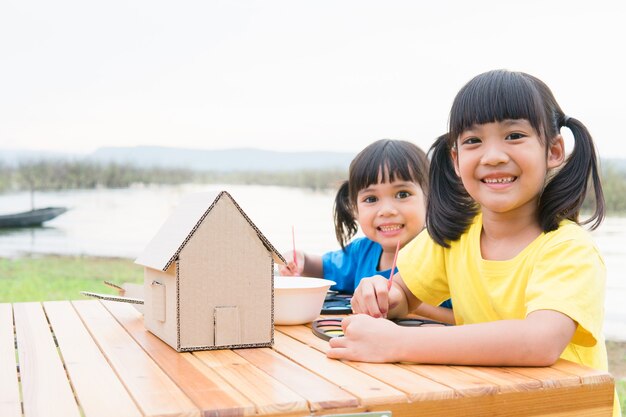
387 208
494 154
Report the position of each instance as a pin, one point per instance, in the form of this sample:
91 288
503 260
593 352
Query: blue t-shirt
358 261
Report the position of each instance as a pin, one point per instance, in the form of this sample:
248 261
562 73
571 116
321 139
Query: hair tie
565 120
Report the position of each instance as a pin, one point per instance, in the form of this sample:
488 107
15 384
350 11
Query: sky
291 75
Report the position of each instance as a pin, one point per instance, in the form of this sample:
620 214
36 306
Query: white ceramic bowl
298 300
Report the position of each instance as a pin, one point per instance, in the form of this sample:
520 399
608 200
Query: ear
556 152
454 154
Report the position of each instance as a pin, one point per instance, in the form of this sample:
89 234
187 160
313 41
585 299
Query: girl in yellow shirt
502 241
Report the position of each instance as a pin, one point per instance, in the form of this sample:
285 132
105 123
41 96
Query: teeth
390 228
499 180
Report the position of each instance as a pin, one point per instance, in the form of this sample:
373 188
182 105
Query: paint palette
328 328
336 303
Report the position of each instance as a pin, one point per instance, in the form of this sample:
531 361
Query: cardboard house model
208 277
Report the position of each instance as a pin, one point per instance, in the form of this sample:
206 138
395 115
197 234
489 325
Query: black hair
385 159
496 96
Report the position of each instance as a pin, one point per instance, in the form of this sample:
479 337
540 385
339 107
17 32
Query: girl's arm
442 314
304 264
537 340
313 266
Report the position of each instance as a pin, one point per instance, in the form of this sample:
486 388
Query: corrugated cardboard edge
110 297
272 308
250 345
277 257
178 349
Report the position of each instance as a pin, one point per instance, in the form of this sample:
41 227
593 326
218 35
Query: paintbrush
293 242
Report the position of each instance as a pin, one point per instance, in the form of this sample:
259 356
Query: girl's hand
372 297
293 267
366 339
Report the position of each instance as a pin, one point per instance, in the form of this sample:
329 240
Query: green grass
46 278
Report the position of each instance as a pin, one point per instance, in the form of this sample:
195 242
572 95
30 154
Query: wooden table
96 358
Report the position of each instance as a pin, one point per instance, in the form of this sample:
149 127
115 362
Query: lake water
119 223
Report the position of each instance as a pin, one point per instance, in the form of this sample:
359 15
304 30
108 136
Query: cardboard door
226 326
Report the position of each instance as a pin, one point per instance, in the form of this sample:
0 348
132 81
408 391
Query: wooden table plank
269 395
414 386
305 335
321 394
10 404
153 391
85 364
561 402
210 392
486 391
368 389
549 377
45 387
505 380
587 375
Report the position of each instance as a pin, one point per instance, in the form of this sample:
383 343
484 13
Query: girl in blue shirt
385 195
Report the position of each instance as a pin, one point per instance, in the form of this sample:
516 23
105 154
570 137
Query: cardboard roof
180 226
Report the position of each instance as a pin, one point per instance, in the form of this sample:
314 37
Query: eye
403 194
473 140
515 136
369 199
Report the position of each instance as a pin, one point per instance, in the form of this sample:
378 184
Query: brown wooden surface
95 358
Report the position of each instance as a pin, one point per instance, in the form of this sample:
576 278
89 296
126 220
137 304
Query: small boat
30 218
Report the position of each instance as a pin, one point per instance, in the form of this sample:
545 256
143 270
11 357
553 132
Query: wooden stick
295 256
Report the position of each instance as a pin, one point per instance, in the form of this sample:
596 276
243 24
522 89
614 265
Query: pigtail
450 210
564 195
345 223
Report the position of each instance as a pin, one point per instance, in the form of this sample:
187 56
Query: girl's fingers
372 307
345 322
288 270
337 352
337 342
338 345
357 302
371 297
382 297
365 339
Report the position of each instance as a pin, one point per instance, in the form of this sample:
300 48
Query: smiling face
503 165
391 211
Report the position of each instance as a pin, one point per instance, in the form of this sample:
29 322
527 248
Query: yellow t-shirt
561 270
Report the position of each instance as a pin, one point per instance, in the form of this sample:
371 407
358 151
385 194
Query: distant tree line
312 179
62 174
58 175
